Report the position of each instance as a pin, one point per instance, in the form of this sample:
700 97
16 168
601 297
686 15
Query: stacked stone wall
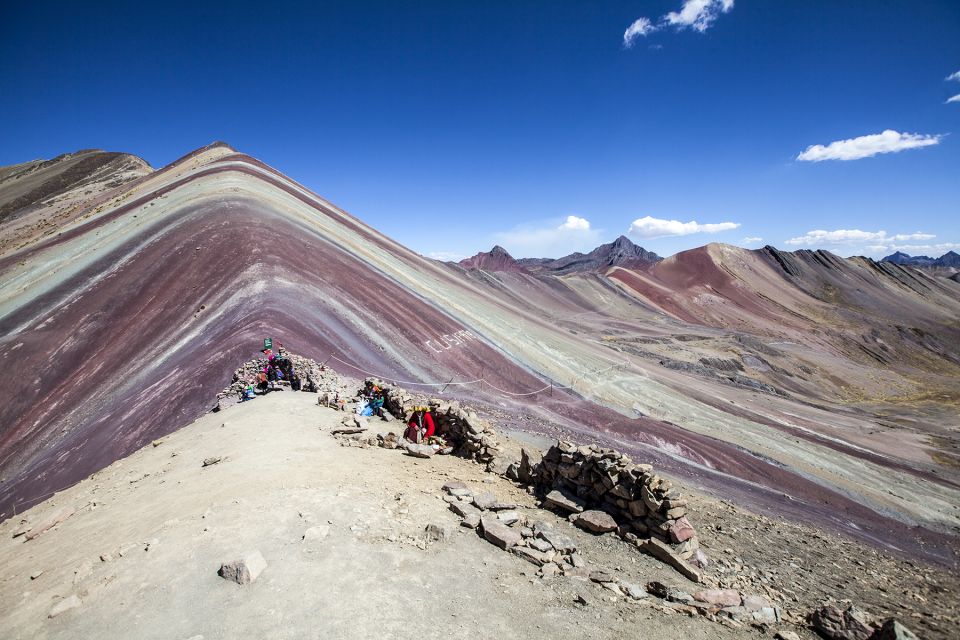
640 501
645 506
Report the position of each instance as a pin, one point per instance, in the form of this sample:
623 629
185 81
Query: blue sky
452 126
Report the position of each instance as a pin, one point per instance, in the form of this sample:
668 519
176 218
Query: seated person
420 427
248 393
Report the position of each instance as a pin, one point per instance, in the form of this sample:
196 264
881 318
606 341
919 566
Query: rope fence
481 380
444 384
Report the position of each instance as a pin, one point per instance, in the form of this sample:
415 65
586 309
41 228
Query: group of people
276 367
421 427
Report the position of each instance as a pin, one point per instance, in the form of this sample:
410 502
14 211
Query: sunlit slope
131 319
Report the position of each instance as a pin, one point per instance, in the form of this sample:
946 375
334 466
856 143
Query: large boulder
893 630
834 624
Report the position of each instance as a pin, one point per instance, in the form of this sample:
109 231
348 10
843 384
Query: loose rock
498 533
420 450
682 530
596 521
722 597
661 551
831 623
893 630
438 533
485 500
564 501
245 570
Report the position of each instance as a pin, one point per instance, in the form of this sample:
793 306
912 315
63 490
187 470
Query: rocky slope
800 384
362 541
38 197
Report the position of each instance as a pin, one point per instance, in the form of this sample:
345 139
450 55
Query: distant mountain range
619 253
949 259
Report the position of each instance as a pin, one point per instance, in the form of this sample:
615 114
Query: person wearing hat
420 427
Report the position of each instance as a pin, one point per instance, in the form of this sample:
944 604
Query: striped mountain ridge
751 374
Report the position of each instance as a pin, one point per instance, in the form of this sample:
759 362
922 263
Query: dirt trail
281 473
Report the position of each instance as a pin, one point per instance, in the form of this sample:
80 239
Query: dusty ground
282 473
374 574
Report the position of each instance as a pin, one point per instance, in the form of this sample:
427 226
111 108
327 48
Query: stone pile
719 603
502 525
641 501
604 490
326 380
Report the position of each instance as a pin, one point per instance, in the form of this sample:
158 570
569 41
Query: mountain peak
949 259
497 259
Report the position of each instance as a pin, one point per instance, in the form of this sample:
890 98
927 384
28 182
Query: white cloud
640 27
856 236
954 76
446 256
575 224
648 227
695 14
866 146
955 98
751 240
698 14
934 250
545 241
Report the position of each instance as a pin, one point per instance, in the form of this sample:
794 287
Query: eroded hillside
805 385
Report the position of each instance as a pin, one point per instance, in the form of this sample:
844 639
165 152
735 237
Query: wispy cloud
552 240
640 27
819 237
649 227
698 15
867 146
446 256
751 240
954 76
955 98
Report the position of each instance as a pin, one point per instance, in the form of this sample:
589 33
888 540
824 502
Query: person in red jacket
420 427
